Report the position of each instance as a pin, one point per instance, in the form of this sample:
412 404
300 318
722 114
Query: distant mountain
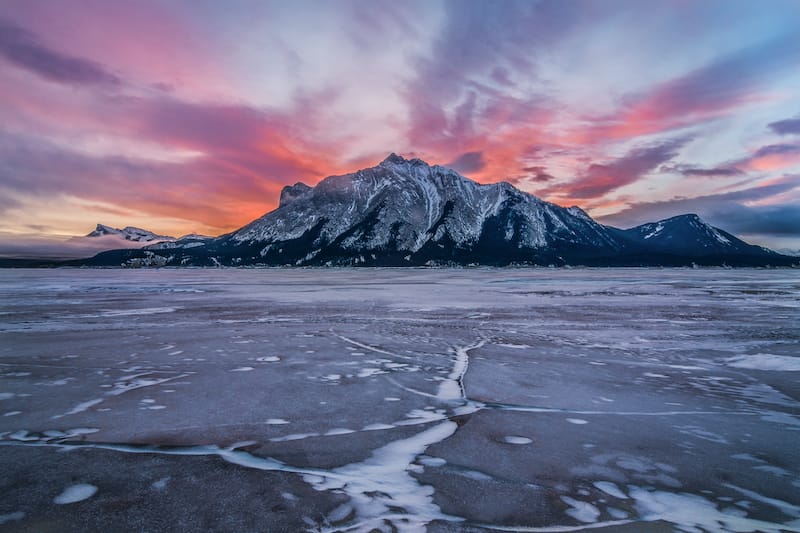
49 250
187 241
690 236
404 212
129 233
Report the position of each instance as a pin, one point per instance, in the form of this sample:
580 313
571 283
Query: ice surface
521 400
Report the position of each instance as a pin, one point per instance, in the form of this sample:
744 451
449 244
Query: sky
190 116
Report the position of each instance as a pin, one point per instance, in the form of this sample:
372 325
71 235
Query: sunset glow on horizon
184 117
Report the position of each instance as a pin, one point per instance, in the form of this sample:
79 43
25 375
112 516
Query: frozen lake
390 399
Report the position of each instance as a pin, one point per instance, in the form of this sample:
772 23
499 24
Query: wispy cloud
468 162
23 49
772 157
703 172
599 179
719 88
788 126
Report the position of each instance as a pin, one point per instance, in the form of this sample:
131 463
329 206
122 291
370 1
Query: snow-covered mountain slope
191 240
688 235
409 207
129 233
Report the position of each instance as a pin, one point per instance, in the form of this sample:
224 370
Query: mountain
187 241
129 233
404 212
689 235
49 250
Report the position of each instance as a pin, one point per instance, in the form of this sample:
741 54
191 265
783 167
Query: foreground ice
401 400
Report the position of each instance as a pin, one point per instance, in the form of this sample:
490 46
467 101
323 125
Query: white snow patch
658 229
276 421
513 439
377 427
581 511
513 346
578 421
427 460
785 507
294 436
11 517
136 312
766 361
243 369
453 387
129 383
81 407
695 512
75 493
269 359
368 372
611 489
338 431
341 514
383 480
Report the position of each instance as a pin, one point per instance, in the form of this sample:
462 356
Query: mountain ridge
405 212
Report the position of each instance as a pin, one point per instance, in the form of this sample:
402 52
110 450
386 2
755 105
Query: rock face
291 192
404 212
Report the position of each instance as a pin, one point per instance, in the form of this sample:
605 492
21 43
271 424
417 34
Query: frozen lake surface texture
400 400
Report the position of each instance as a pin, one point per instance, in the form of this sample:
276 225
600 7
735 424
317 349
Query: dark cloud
788 126
777 149
468 162
600 179
715 172
500 75
538 174
22 48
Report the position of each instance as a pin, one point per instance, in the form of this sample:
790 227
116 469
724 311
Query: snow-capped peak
129 233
